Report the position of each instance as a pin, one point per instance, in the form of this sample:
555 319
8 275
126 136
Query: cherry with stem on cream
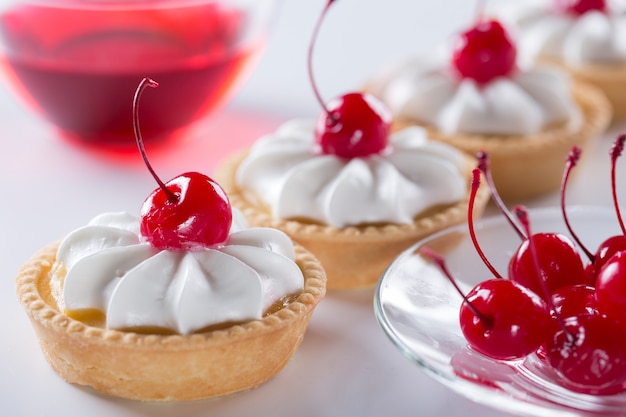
353 125
579 7
189 211
499 318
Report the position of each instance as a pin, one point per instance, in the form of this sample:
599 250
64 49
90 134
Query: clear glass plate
418 309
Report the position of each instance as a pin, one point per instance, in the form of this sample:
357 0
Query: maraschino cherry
189 211
484 52
574 300
560 263
353 125
611 288
500 318
579 7
588 353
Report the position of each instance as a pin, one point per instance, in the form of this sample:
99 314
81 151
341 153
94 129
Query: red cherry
574 300
498 317
607 249
200 216
611 288
187 212
355 125
518 320
588 353
579 7
559 263
484 52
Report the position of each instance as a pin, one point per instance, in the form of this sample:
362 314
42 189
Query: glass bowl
418 308
78 62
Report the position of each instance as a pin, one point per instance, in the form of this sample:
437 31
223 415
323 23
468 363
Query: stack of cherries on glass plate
571 315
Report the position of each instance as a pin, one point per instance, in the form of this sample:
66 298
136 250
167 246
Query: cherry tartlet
348 188
131 305
479 96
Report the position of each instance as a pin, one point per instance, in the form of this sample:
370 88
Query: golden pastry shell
168 367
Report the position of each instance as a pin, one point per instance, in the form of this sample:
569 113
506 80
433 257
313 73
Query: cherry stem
616 152
522 215
572 159
483 165
441 263
316 30
147 82
470 222
480 9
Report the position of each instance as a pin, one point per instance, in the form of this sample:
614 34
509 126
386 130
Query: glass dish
417 307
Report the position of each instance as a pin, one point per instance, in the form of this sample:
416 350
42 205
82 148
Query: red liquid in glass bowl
81 67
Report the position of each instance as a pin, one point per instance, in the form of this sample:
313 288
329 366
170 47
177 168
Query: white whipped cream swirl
428 92
110 268
592 38
289 173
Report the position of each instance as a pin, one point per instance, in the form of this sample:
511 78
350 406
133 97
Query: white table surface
346 366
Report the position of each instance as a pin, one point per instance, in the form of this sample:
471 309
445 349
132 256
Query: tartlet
354 256
154 367
526 117
185 301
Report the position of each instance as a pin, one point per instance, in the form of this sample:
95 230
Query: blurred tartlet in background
478 95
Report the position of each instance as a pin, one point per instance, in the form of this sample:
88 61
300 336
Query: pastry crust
355 256
172 367
523 166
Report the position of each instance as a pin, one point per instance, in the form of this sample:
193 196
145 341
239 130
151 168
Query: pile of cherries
572 315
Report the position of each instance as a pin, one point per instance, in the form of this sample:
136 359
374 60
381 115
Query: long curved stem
147 82
572 159
316 30
616 152
470 222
